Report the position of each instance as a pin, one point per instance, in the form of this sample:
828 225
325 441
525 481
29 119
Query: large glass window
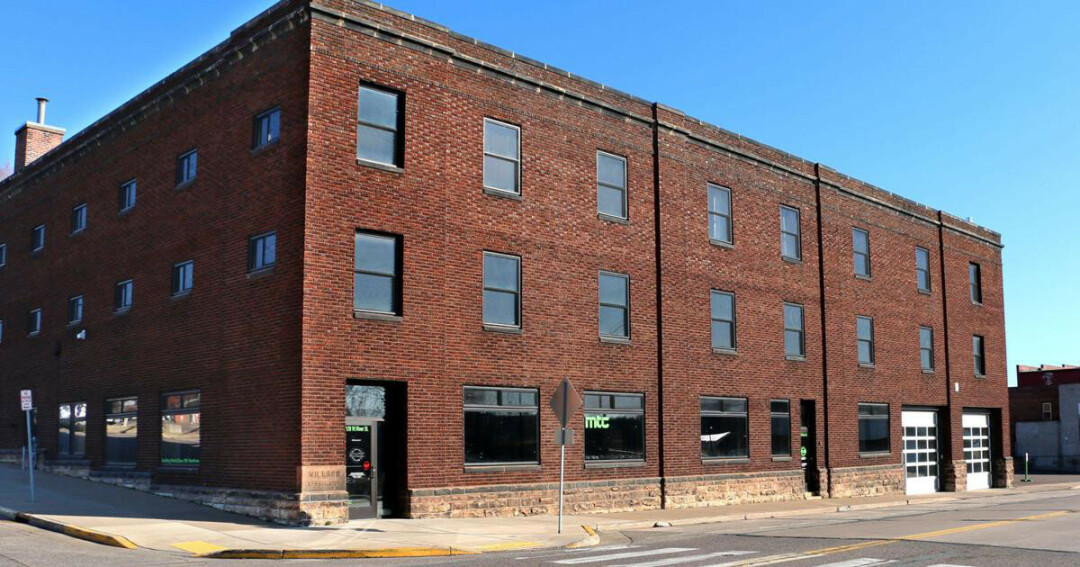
790 233
502 156
78 218
979 355
121 430
611 185
873 428
379 125
722 306
187 165
794 333
922 268
926 348
72 429
180 424
861 251
614 427
975 282
376 273
502 290
262 251
725 430
719 214
267 129
123 295
780 420
864 330
126 196
502 425
614 305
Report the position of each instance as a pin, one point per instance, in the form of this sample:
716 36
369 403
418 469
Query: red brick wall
32 141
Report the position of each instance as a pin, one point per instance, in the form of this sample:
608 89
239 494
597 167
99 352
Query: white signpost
26 400
565 402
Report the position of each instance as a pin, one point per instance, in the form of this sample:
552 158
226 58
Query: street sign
27 399
565 402
564 436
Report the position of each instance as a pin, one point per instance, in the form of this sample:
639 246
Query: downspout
945 337
824 333
659 305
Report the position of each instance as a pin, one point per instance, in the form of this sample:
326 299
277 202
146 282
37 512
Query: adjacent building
337 265
1044 409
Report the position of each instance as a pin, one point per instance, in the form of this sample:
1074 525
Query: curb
590 540
68 529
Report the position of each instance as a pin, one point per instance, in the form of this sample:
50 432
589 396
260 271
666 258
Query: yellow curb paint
74 531
335 553
198 547
508 545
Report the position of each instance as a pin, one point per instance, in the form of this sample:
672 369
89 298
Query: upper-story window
611 185
3 255
183 277
380 121
502 290
614 305
187 165
262 251
123 295
864 330
979 355
975 282
377 273
267 128
861 251
502 156
794 332
719 214
722 306
37 238
926 348
78 218
75 309
33 326
126 196
790 233
922 268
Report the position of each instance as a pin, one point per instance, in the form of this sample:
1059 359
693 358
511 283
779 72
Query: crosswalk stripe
947 565
860 562
627 555
686 559
581 550
766 560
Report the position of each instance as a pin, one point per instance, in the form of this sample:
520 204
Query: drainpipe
824 333
945 337
659 305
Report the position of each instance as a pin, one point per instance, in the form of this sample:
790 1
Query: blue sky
971 107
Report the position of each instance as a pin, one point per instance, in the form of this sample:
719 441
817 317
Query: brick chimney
34 139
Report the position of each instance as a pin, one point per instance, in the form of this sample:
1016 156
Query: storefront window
780 418
873 428
121 430
724 428
614 427
180 423
502 426
72 442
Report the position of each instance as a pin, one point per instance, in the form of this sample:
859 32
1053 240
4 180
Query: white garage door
920 451
977 450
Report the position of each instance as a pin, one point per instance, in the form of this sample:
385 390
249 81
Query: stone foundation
584 497
1002 474
877 480
735 488
954 476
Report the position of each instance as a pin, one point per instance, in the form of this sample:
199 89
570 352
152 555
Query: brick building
1044 414
338 264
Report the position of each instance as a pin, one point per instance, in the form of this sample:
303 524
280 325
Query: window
502 157
33 326
123 295
873 428
502 290
262 251
121 430
72 430
725 431
614 427
1047 411
180 424
614 305
611 185
78 218
126 196
502 426
267 128
722 305
376 283
979 355
861 247
790 233
379 123
780 418
75 309
975 282
864 329
1 331
719 214
37 238
922 268
183 277
3 255
187 166
926 348
794 334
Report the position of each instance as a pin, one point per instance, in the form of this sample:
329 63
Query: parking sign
27 399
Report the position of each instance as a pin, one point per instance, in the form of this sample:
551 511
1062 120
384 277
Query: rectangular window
861 247
183 277
502 156
926 348
719 214
75 309
864 329
614 305
790 233
78 218
376 273
611 185
37 238
126 196
975 282
187 165
72 430
873 428
267 128
180 425
979 355
123 295
502 290
1 331
380 121
1047 411
780 416
502 426
262 251
121 430
722 307
922 268
3 255
725 429
614 427
794 334
33 325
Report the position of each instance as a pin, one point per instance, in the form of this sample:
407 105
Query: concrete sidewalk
128 518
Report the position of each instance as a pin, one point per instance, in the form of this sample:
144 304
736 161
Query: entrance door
977 450
361 467
808 445
920 451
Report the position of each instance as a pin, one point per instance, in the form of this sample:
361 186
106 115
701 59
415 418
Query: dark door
808 445
361 467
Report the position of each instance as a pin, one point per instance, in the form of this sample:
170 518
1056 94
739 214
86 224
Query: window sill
504 329
790 260
877 455
864 278
380 166
117 467
265 147
722 461
503 194
782 459
929 372
121 312
612 218
980 376
125 212
180 295
261 272
33 335
74 323
977 303
184 185
375 316
178 469
794 358
501 468
924 292
725 351
615 340
614 464
36 253
75 233
722 244
865 366
72 460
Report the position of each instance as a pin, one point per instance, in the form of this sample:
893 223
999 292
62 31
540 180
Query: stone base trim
582 497
877 480
1002 473
954 476
735 488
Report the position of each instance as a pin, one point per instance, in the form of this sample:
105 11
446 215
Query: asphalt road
1022 529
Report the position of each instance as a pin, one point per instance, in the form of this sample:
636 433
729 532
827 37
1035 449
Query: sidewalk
129 518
